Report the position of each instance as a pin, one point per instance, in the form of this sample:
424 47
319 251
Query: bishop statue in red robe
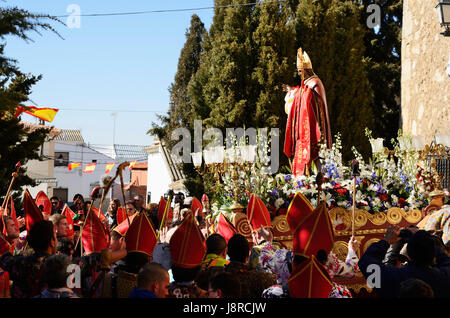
308 123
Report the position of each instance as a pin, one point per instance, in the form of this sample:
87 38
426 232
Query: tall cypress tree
17 143
331 33
180 112
275 42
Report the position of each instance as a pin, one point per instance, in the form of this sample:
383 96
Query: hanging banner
89 168
73 165
109 167
46 114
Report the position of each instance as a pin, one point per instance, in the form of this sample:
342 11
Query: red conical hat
196 205
121 214
141 236
98 213
225 228
69 214
205 198
42 199
257 213
122 228
31 212
314 232
161 208
94 237
299 208
309 280
187 244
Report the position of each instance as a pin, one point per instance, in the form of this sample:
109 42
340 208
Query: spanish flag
46 114
109 167
73 165
89 168
132 164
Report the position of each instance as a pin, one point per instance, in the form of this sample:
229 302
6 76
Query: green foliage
331 33
383 65
17 143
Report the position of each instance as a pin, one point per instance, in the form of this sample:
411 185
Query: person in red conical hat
309 279
225 228
25 271
187 247
94 236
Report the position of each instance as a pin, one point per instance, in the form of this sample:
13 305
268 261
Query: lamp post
443 10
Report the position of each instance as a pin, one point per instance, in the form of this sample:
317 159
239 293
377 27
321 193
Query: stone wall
425 82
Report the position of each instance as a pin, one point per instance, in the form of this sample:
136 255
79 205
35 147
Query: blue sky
114 62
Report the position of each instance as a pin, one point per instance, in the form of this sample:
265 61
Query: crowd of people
126 253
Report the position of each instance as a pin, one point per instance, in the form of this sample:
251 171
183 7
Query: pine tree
17 143
383 57
332 35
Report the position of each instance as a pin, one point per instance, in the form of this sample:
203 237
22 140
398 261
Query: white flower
326 197
278 203
394 198
372 187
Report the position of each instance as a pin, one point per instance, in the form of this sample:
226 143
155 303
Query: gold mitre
303 60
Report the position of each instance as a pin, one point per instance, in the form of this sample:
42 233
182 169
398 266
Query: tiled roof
70 135
32 127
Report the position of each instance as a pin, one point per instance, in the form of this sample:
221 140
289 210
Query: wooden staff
319 180
355 173
354 206
169 201
14 177
120 169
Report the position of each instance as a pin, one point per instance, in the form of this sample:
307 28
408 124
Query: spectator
216 252
224 285
253 282
111 212
415 288
55 275
61 226
25 271
56 205
152 282
422 251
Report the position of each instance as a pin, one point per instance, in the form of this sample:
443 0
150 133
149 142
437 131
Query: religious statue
308 124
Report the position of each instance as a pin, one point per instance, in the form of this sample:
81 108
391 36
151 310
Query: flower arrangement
384 182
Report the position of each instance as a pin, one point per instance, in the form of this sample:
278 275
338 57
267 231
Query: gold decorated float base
369 228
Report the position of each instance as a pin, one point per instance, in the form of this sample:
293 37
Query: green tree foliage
17 143
331 32
383 64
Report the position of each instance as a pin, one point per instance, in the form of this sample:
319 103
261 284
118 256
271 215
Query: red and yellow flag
44 113
132 164
109 167
73 165
89 168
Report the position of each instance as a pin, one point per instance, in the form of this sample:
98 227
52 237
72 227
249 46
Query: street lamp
443 10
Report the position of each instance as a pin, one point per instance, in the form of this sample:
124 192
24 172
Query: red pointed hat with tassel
314 232
161 208
42 199
141 236
225 228
309 280
32 213
94 237
257 213
187 244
